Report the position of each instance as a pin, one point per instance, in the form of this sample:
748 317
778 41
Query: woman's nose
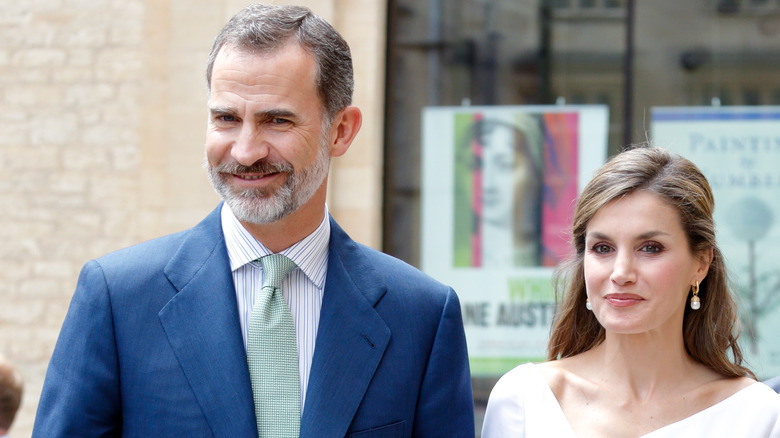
623 270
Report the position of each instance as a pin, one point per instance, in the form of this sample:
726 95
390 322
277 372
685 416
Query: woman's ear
705 260
345 127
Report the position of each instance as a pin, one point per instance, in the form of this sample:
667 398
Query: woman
644 343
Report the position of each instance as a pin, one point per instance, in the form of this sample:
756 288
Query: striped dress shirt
302 288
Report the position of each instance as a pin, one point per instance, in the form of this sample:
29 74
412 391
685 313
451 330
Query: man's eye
280 121
226 118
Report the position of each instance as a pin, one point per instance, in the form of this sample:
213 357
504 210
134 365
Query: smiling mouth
254 177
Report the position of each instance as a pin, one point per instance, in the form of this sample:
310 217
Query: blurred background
102 115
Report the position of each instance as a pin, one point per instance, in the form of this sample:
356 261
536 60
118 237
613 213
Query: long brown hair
709 333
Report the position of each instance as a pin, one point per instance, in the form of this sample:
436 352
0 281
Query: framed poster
738 150
498 189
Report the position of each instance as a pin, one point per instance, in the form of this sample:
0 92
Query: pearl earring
587 304
695 301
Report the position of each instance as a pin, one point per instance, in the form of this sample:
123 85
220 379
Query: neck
640 366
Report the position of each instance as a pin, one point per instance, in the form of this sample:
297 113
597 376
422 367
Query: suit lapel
201 322
351 340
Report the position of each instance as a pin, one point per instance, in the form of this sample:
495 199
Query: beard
261 206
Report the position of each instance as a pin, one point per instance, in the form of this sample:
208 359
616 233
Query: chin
260 211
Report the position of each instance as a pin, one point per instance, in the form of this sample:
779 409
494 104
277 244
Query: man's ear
345 127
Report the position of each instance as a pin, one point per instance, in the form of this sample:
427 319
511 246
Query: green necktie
272 354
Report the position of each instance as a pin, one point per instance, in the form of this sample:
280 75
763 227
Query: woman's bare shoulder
723 387
564 374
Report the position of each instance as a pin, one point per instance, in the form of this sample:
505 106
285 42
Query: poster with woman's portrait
499 186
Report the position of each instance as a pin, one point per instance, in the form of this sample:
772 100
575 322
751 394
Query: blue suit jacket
151 347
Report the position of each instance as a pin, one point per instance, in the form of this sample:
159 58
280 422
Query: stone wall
102 122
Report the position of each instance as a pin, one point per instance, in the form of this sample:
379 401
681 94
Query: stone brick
35 76
85 159
104 135
125 158
69 182
57 129
39 57
73 248
83 223
86 37
81 58
11 36
37 34
119 65
14 13
72 74
88 115
58 201
42 158
44 7
117 192
35 292
117 113
14 133
34 230
33 96
89 94
12 270
127 32
56 269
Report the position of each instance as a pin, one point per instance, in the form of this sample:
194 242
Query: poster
498 190
738 150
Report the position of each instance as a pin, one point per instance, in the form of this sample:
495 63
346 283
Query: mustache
260 166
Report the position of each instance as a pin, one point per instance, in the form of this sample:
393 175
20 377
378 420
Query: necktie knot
275 268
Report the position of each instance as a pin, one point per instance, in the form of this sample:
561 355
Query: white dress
523 405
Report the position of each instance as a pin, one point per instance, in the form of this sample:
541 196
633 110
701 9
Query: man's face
267 146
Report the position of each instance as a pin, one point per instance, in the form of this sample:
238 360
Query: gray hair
262 28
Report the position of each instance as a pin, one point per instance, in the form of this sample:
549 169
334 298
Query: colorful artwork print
514 189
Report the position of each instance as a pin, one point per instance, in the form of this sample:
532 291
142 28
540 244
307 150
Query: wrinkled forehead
291 60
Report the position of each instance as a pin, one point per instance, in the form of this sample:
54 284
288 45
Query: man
157 339
10 395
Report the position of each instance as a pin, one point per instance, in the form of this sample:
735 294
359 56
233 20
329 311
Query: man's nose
250 145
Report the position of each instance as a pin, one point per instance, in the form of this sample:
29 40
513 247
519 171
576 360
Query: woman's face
638 266
498 185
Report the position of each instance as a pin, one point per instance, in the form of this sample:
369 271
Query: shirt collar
310 253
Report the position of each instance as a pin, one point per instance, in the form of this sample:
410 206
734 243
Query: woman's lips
623 300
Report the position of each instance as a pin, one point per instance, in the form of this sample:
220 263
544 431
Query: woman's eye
651 248
601 248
